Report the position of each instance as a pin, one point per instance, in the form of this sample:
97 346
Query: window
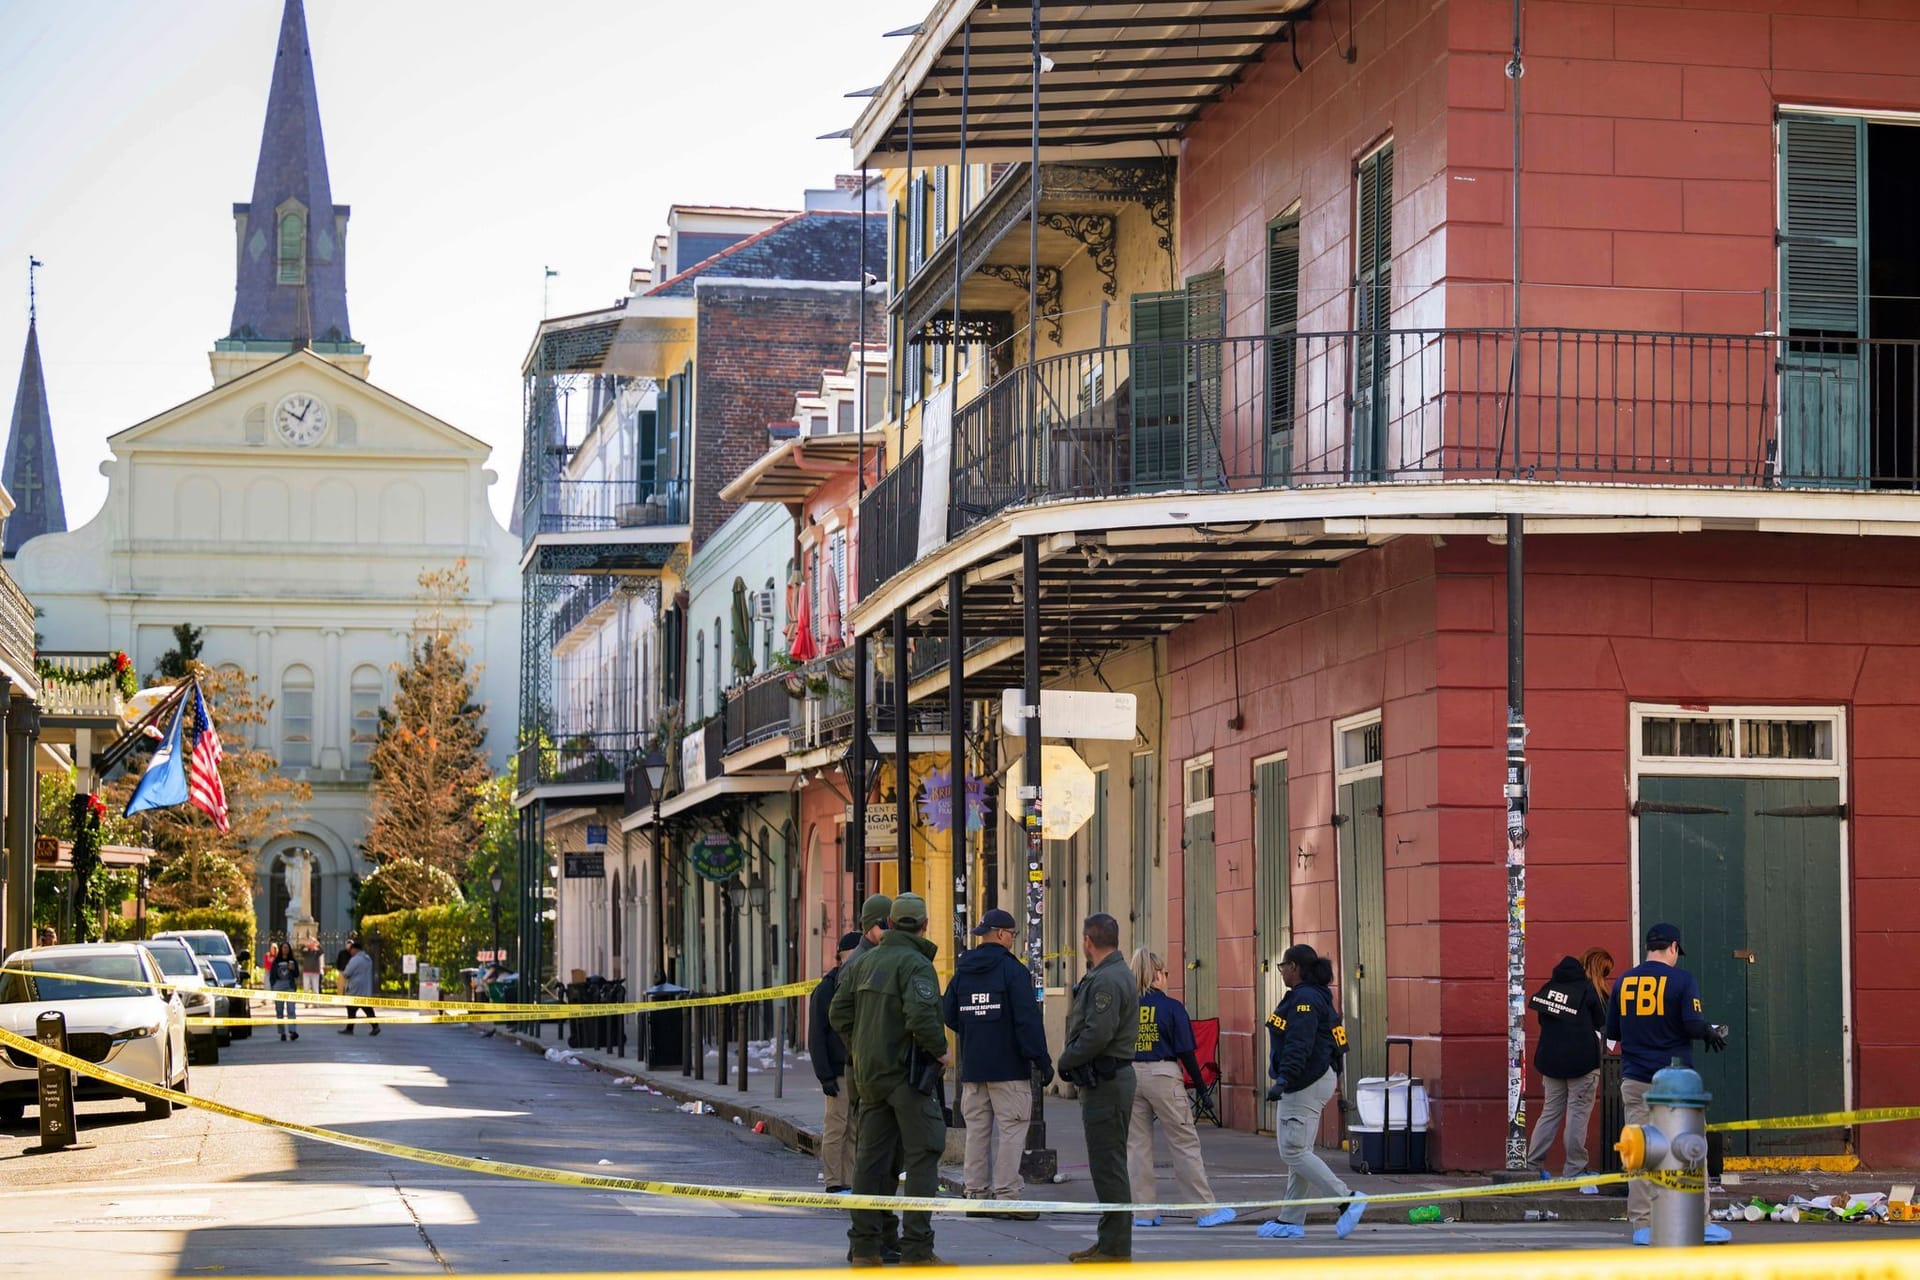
296 718
876 398
916 224
1283 322
364 711
844 420
1373 309
700 675
719 667
1360 745
292 255
1176 388
1729 737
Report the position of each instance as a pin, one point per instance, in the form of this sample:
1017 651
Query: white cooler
1383 1139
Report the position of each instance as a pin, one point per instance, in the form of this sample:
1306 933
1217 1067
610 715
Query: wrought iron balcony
580 759
757 712
17 643
603 506
820 701
1418 405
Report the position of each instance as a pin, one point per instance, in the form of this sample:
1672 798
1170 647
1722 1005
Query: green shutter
939 205
1823 301
1283 322
1158 397
1206 333
1373 304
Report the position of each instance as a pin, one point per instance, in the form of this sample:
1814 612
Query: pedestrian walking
1102 1026
1306 1043
356 979
1163 1043
1655 1015
829 1054
282 973
46 937
310 966
887 1008
1003 1044
1567 1056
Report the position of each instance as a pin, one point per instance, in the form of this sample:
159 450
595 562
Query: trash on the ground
623 1080
1425 1213
1060 1177
697 1108
759 1126
738 1120
603 1160
1540 1215
557 1054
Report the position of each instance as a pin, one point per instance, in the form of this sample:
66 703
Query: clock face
301 419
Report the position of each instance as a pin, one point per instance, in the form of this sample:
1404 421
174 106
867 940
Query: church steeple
291 283
31 472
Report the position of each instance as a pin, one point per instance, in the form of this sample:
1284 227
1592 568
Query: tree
428 762
178 662
262 803
399 884
77 901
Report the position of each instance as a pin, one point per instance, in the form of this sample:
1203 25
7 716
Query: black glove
829 1088
1044 1070
1274 1090
1715 1041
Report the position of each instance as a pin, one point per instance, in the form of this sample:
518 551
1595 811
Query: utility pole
1514 789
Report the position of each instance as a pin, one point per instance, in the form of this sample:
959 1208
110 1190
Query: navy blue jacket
1656 1016
1571 1013
1304 1037
990 1002
824 1045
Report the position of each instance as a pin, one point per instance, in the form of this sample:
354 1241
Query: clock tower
290 239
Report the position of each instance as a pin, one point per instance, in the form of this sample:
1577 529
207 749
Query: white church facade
289 512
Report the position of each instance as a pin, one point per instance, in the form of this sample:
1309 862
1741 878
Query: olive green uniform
1102 1027
887 1008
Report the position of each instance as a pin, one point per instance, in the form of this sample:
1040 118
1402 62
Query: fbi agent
1306 1043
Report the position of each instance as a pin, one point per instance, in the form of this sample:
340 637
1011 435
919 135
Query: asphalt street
201 1194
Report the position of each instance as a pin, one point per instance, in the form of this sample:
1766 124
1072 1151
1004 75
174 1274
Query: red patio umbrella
802 647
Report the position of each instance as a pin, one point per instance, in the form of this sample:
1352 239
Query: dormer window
291 245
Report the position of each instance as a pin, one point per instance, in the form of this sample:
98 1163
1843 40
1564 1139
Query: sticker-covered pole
1039 1163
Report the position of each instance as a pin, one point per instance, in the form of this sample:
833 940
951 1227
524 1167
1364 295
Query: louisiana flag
203 778
164 784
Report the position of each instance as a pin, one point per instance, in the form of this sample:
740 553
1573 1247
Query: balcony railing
1278 411
821 714
638 793
17 642
590 594
95 699
890 523
603 506
757 712
580 758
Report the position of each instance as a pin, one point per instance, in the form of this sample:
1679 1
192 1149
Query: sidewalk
1242 1166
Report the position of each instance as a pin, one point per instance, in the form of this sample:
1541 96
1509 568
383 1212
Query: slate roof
822 245
31 472
292 166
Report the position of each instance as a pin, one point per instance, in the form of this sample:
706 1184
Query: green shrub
445 936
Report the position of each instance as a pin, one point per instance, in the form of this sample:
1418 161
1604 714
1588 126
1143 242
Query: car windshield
18 988
208 944
175 962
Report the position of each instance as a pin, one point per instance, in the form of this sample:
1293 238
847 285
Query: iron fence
580 758
593 506
756 712
17 640
890 523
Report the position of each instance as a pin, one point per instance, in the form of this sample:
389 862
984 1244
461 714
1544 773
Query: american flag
203 774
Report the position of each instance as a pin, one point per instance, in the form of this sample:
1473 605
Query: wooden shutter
1283 322
1206 334
1158 397
916 224
939 205
1373 304
1823 301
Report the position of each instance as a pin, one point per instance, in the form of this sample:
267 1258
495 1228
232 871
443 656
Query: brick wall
759 345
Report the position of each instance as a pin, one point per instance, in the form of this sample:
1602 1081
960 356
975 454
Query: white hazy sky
477 141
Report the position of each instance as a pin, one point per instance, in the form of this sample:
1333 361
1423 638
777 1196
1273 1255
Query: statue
298 868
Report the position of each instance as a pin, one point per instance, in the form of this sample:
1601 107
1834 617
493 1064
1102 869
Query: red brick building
1708 414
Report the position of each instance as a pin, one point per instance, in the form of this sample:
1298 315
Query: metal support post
1038 1163
779 1048
857 763
962 842
902 778
22 730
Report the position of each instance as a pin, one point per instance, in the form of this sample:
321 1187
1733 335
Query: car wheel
222 1037
161 1108
242 1033
12 1112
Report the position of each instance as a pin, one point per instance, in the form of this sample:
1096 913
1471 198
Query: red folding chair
1201 1093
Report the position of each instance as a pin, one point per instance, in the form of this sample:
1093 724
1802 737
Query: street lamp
656 768
494 882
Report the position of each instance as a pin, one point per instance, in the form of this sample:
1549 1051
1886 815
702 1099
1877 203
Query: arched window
364 711
296 718
700 675
719 668
292 255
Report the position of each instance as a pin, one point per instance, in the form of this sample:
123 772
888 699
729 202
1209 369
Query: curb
797 1137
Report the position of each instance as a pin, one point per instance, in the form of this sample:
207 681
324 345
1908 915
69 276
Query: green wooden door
1272 887
1202 947
1206 398
1283 325
1373 313
1095 834
1143 832
1158 391
1749 869
1823 294
1362 963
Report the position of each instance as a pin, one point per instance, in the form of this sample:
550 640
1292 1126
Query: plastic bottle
1541 1215
1425 1213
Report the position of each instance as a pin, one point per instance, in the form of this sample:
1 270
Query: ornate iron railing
757 712
597 506
580 758
17 640
890 523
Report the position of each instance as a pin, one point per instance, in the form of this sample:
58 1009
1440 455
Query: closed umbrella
803 649
830 608
742 632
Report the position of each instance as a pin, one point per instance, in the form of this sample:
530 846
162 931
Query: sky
478 142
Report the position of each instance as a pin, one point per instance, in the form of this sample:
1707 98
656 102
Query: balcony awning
1126 79
714 788
792 471
641 337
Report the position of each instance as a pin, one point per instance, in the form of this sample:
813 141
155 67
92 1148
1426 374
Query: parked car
211 943
180 968
134 1024
237 1005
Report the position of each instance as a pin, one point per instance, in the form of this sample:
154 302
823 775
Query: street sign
883 827
586 866
1066 791
717 857
1074 713
409 964
596 835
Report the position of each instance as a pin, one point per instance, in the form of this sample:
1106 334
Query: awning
713 789
793 470
50 855
1119 79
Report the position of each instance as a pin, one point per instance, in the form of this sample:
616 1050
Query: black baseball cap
994 919
1662 936
848 941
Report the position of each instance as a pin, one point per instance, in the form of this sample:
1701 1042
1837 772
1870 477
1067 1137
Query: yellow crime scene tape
771 1196
1821 1120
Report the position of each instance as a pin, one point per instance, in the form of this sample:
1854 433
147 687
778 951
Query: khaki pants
836 1139
1296 1125
1160 1093
1633 1105
996 1113
1571 1100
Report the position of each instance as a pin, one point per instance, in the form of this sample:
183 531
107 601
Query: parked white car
184 971
212 943
134 1024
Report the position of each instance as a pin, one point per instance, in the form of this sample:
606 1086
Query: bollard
740 1020
780 1049
1673 1141
56 1085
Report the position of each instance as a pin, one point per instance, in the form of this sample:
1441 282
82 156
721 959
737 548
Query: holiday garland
117 667
87 811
